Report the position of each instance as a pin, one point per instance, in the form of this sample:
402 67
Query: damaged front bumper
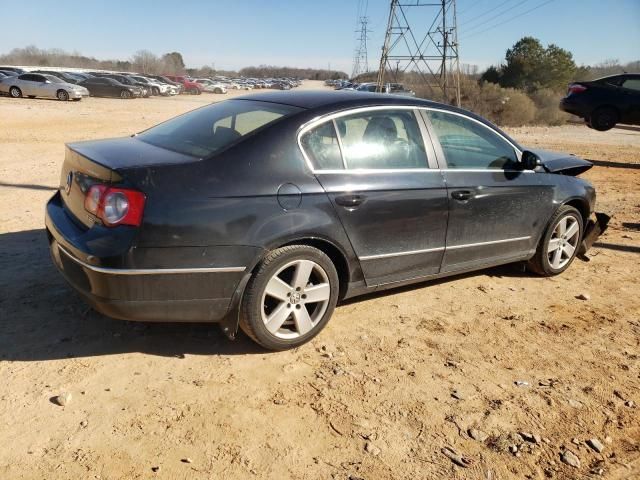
592 231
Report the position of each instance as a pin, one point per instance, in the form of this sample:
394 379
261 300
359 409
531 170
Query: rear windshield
203 132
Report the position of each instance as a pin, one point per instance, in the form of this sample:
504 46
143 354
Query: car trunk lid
106 162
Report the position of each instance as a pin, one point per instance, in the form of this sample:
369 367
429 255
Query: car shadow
608 163
42 318
617 246
30 186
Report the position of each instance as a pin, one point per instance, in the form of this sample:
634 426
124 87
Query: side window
382 139
632 84
27 77
322 148
468 144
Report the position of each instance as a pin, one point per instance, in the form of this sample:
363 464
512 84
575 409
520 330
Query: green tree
530 66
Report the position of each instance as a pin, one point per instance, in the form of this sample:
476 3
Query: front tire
125 94
15 92
62 95
290 298
603 119
559 244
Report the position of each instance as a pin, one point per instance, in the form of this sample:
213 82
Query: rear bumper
98 265
570 105
151 297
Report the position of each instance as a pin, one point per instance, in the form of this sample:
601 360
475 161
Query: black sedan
605 102
108 87
266 210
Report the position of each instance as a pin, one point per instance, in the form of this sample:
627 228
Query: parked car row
64 85
390 88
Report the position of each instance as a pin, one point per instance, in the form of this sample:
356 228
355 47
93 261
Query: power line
424 56
360 57
509 19
499 14
485 13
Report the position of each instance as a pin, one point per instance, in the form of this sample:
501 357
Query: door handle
350 201
461 195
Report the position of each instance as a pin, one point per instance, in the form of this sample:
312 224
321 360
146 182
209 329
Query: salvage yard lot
391 381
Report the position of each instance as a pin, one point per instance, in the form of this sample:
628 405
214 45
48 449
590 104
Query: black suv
606 101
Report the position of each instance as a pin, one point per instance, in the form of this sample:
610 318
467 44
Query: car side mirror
529 160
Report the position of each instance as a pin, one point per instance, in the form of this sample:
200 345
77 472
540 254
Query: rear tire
290 298
603 119
559 245
15 92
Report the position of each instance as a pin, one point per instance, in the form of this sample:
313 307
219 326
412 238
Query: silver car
40 85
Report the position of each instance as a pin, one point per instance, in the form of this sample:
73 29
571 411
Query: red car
189 85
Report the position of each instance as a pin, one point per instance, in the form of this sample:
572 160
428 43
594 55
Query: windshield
202 132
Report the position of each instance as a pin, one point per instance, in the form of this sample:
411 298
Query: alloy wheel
15 92
295 299
563 242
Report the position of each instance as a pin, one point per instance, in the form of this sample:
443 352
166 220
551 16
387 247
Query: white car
210 86
40 85
155 86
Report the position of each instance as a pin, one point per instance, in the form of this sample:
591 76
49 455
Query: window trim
442 159
316 122
435 155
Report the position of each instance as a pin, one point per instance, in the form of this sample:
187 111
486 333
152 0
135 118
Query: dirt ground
392 381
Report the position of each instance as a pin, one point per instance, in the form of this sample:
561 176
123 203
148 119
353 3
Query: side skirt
359 288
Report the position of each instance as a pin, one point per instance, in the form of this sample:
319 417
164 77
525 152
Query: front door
496 209
375 167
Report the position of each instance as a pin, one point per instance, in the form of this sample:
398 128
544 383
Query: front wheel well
582 207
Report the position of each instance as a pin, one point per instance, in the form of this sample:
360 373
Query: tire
125 94
217 90
155 91
603 119
62 95
548 260
278 314
15 92
31 96
77 99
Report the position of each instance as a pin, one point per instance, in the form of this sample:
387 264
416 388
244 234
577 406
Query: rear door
27 84
496 209
382 179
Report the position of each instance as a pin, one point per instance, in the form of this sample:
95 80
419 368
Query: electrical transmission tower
421 48
360 59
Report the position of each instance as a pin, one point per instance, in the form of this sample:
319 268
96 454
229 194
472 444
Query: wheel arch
581 205
606 105
335 254
230 322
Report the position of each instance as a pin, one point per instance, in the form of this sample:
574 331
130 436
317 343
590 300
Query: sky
230 34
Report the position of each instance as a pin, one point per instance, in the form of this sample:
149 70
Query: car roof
317 98
341 100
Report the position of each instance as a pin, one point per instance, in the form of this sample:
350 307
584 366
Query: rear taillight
576 88
115 206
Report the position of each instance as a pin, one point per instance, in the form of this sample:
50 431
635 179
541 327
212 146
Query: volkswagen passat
266 210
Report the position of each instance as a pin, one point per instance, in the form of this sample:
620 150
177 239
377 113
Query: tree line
146 62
